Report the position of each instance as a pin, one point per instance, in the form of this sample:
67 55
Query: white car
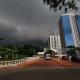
48 56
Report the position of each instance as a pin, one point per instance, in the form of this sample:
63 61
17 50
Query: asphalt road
54 63
42 69
41 74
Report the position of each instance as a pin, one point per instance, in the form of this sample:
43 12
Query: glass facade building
67 31
69 28
78 22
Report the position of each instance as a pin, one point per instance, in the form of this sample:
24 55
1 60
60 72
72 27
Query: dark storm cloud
7 31
26 20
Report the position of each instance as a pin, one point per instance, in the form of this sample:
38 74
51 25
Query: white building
55 43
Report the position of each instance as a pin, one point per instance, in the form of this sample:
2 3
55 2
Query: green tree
28 50
73 51
59 4
77 49
51 52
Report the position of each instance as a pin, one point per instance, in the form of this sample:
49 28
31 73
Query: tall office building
69 26
55 43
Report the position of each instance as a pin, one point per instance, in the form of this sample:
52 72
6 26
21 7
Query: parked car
65 57
75 59
47 56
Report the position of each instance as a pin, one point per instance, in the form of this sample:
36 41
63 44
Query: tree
28 50
71 52
77 49
76 57
59 4
51 52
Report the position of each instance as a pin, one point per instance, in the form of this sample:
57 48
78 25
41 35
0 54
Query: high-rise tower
69 26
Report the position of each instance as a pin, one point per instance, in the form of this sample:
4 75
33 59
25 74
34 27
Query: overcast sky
26 20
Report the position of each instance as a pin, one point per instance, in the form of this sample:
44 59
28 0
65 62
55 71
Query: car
65 57
75 59
48 57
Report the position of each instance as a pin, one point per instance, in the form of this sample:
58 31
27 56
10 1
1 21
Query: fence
15 62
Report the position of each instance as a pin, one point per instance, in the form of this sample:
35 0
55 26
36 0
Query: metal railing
11 63
16 62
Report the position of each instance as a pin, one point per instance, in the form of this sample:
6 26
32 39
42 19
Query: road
41 74
53 63
42 69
